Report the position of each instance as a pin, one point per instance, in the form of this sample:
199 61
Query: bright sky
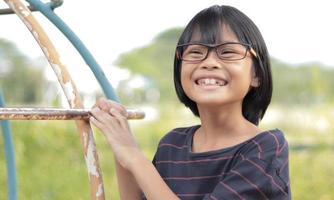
295 31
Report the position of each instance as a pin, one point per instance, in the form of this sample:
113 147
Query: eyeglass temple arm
252 51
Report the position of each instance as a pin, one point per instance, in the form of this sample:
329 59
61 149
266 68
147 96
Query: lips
210 81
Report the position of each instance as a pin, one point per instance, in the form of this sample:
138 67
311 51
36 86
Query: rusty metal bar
7 11
71 93
56 114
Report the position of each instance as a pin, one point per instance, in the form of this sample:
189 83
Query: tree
304 84
21 79
155 62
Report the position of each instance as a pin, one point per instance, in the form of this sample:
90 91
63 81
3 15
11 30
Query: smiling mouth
211 82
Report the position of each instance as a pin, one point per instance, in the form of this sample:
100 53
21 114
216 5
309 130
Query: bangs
205 27
208 25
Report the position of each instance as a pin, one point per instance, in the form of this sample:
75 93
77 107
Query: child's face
216 82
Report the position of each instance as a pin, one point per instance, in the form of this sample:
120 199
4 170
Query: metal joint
53 4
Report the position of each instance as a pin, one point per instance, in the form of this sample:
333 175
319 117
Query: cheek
185 76
186 81
242 76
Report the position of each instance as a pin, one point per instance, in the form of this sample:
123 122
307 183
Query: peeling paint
69 92
24 12
44 48
46 52
90 159
12 5
35 34
99 191
57 70
67 87
28 25
84 135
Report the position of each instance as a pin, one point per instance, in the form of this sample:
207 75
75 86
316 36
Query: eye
231 51
226 52
194 52
195 49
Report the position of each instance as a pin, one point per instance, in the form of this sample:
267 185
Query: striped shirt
255 169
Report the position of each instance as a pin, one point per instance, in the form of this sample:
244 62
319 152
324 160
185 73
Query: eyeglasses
230 51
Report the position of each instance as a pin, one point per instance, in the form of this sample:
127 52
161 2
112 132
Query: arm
110 118
150 180
127 185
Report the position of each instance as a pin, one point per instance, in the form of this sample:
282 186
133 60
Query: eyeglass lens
227 51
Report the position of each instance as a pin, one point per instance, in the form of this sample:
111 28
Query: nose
211 61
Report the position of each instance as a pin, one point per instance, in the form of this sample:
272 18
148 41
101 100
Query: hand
111 118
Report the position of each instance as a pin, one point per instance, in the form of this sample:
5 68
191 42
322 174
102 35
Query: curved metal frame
10 155
71 93
47 11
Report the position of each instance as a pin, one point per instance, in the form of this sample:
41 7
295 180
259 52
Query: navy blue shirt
255 169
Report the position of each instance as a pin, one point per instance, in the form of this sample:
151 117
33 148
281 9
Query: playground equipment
56 114
77 111
10 156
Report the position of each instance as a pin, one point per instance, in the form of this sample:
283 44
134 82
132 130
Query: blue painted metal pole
47 11
9 151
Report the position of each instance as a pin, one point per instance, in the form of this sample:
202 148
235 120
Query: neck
222 127
223 120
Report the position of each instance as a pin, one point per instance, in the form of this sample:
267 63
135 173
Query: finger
120 108
104 104
105 122
122 120
98 102
102 116
102 127
96 123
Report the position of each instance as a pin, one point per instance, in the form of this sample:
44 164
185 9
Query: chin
216 102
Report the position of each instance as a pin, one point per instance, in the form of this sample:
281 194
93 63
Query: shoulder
271 140
174 145
178 135
267 145
264 159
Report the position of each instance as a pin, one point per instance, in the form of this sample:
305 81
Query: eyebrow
220 42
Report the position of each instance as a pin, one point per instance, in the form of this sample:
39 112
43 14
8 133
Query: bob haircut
209 23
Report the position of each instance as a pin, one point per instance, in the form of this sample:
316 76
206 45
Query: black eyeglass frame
214 46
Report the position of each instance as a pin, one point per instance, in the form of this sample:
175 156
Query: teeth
210 81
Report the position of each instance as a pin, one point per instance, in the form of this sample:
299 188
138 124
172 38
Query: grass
50 163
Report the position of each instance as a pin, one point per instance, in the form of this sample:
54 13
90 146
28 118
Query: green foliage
20 79
49 156
306 84
155 61
50 163
310 173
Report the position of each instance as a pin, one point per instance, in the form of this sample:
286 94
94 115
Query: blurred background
134 42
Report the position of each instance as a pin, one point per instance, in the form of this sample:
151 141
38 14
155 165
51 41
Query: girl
222 73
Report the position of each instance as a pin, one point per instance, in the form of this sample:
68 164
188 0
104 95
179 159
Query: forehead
223 34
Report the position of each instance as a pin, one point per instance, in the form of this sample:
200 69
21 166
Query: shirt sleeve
251 179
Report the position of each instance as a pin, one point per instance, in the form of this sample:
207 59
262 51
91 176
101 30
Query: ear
255 81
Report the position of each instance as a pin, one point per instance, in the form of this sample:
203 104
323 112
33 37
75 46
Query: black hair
209 22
